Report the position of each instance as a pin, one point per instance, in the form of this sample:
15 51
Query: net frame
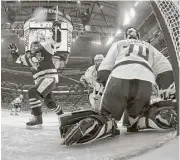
171 14
168 16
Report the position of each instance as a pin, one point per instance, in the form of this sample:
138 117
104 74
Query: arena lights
22 38
118 32
101 6
136 4
78 2
74 39
128 16
96 42
109 41
132 12
126 19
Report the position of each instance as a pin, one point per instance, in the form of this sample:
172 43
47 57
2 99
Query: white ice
18 143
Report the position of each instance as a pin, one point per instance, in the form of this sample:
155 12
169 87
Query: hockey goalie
128 72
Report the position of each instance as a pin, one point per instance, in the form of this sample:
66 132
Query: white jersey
91 76
18 100
135 59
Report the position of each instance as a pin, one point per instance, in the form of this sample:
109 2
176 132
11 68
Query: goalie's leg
86 126
159 116
114 98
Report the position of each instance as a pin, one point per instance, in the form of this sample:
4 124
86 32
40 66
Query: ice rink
18 143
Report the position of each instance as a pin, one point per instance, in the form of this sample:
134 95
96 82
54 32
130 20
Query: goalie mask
132 33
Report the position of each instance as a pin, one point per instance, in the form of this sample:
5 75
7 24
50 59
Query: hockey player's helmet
35 46
132 33
21 96
98 59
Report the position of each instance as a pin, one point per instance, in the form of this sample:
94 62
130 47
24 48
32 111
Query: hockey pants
43 90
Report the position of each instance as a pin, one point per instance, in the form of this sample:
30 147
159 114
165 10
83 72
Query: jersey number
140 52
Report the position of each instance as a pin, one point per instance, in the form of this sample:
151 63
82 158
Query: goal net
171 15
167 13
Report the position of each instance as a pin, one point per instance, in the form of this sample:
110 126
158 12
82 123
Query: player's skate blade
35 123
38 126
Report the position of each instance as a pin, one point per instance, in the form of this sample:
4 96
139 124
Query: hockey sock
55 108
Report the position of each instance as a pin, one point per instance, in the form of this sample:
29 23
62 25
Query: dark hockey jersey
40 63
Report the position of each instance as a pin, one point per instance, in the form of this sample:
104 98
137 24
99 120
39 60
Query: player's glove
60 59
56 35
57 24
83 83
14 51
12 47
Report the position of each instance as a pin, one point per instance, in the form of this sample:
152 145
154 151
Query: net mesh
171 14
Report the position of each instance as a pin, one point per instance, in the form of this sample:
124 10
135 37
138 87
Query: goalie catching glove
86 126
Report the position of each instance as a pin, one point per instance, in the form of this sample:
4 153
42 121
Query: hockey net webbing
171 14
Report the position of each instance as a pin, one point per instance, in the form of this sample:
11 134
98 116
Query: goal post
168 16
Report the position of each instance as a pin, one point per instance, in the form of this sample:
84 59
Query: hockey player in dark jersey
40 60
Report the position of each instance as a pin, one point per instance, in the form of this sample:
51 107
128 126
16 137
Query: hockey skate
12 113
16 114
35 123
132 128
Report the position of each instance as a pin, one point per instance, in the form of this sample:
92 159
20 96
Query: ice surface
18 143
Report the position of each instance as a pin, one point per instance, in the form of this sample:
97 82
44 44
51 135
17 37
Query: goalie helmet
132 33
98 59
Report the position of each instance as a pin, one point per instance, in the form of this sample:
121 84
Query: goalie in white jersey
127 72
132 67
89 78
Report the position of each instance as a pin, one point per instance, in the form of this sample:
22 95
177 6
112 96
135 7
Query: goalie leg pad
86 126
80 129
161 115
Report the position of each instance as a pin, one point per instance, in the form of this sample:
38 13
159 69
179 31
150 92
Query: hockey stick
72 79
56 26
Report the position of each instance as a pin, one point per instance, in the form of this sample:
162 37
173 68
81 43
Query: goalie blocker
86 126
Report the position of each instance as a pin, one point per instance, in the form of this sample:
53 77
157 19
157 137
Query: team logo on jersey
35 61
